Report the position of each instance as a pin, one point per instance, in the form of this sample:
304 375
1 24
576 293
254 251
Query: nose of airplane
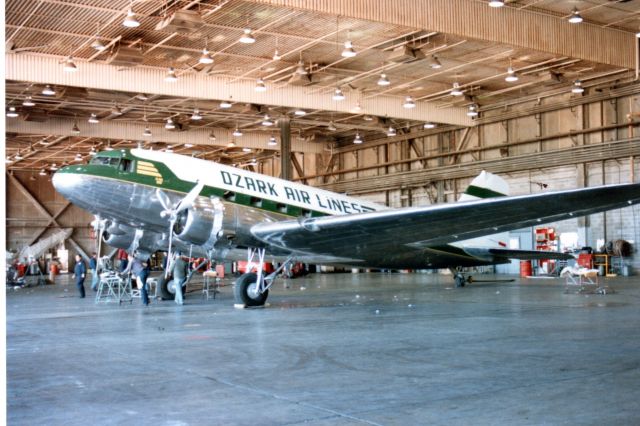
66 182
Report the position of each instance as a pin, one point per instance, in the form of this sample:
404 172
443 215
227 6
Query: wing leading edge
356 236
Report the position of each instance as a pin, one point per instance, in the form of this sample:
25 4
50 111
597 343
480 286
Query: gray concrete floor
342 349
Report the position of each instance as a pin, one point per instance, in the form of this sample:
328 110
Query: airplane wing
353 236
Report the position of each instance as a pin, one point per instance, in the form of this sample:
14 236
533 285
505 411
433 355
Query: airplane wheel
245 291
163 284
460 281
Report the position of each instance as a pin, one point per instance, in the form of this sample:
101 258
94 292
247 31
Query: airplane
147 201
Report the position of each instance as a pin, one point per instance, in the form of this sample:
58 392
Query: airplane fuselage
122 187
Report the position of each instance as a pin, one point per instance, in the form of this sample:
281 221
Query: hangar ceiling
423 48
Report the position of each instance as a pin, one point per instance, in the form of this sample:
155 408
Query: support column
285 148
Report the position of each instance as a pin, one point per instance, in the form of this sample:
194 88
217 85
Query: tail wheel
246 291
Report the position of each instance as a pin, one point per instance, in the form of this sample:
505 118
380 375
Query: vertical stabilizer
485 185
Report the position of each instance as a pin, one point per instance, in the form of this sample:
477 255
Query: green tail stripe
479 192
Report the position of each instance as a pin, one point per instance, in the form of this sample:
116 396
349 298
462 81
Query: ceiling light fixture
116 110
169 125
231 144
75 129
53 167
171 76
168 149
18 156
69 65
12 113
93 151
147 132
429 125
245 149
97 45
577 87
212 137
473 111
196 115
247 37
77 158
272 141
130 21
28 102
48 91
260 86
358 108
456 90
276 55
43 172
383 80
496 3
226 104
511 75
409 102
188 145
368 118
237 133
300 112
332 127
93 119
338 95
300 70
205 58
8 160
391 131
109 147
434 62
267 121
348 51
575 17
358 139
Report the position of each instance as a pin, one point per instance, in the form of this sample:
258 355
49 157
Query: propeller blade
169 260
188 199
164 200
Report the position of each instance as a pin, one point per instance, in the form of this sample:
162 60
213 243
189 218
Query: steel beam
47 70
474 19
109 129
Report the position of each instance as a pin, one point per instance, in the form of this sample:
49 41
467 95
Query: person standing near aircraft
179 270
79 273
139 271
93 265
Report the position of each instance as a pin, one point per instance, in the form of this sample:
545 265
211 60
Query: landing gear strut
460 278
252 289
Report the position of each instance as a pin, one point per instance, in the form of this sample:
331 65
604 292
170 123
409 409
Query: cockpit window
106 161
126 165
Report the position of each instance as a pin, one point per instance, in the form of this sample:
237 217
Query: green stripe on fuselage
171 182
480 192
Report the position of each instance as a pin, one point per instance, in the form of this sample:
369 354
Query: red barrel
525 268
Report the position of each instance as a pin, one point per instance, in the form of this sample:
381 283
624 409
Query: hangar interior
399 103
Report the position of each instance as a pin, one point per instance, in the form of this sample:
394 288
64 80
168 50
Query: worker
123 258
179 269
93 265
139 272
79 273
54 269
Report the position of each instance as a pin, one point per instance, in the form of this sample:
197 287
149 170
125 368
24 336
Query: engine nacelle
120 240
201 224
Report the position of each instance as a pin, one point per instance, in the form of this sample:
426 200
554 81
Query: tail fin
485 185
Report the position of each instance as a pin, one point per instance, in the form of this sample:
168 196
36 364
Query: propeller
172 211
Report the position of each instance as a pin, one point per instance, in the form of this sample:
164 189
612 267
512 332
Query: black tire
242 293
163 283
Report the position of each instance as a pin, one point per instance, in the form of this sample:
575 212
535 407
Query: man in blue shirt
79 273
93 265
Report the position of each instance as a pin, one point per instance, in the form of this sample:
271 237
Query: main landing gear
460 278
252 289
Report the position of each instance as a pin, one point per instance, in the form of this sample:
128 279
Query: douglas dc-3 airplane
148 200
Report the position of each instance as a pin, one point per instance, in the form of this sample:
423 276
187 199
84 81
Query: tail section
485 185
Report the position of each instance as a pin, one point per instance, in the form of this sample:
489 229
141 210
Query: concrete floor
390 349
